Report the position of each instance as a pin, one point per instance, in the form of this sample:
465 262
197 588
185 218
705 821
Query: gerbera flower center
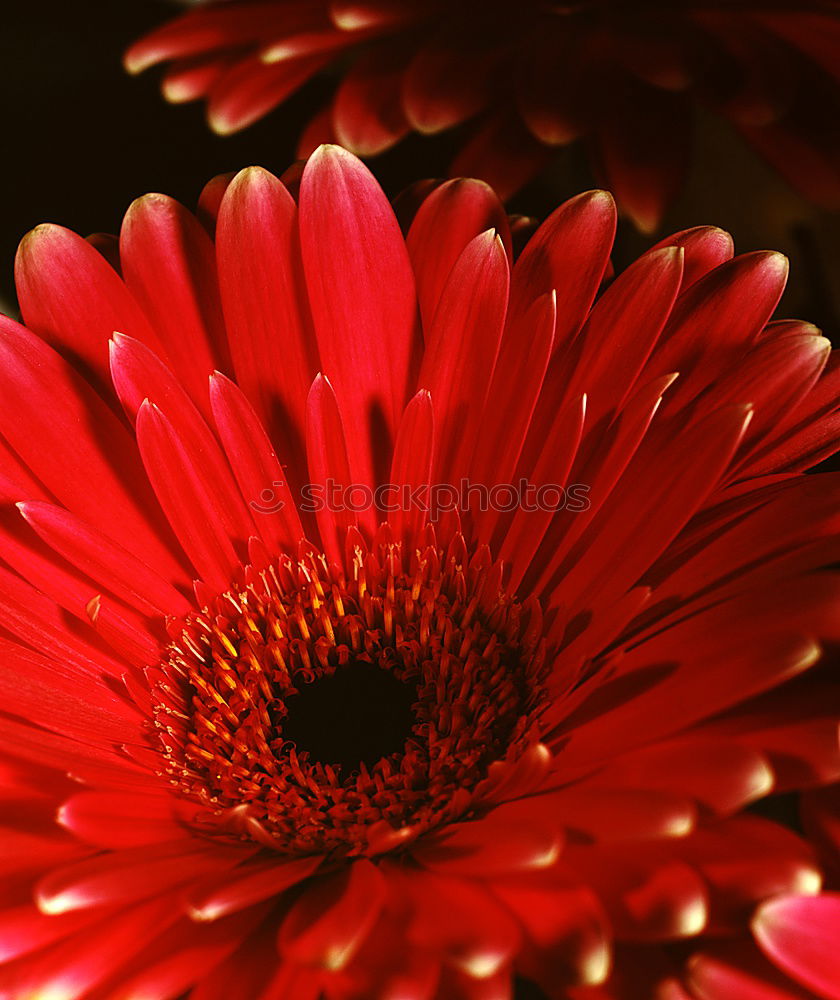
314 712
357 715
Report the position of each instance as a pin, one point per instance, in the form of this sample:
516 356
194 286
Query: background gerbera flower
254 751
529 77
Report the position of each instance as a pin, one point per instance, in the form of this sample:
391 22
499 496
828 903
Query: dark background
83 139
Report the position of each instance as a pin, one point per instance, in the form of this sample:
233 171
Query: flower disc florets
318 713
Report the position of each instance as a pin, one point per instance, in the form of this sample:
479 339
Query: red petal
505 842
457 918
250 89
328 463
74 299
333 916
367 116
462 348
104 561
746 860
600 460
267 315
65 700
219 895
361 289
81 962
722 972
132 874
41 623
643 145
139 375
445 223
191 78
737 666
502 152
704 248
622 329
800 933
206 29
720 774
444 85
618 814
119 820
170 266
412 464
569 254
554 462
260 475
179 954
24 929
647 894
567 936
512 397
716 320
95 475
649 506
179 485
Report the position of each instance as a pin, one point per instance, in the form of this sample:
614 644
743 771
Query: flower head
383 617
529 77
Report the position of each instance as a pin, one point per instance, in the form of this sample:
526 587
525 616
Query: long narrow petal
266 311
169 265
463 346
193 513
262 480
103 560
94 474
328 466
361 289
449 219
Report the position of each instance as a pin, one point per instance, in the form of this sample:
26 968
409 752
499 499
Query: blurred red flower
530 76
368 759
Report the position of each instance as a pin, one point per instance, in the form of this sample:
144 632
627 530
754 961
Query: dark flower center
315 712
359 714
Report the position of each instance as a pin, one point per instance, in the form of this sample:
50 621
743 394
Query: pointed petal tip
597 197
354 17
330 152
723 235
693 918
40 239
278 52
596 966
144 53
772 262
52 906
135 60
174 92
221 125
811 652
204 914
252 176
152 201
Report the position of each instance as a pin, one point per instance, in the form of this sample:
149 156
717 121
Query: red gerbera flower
531 76
411 753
